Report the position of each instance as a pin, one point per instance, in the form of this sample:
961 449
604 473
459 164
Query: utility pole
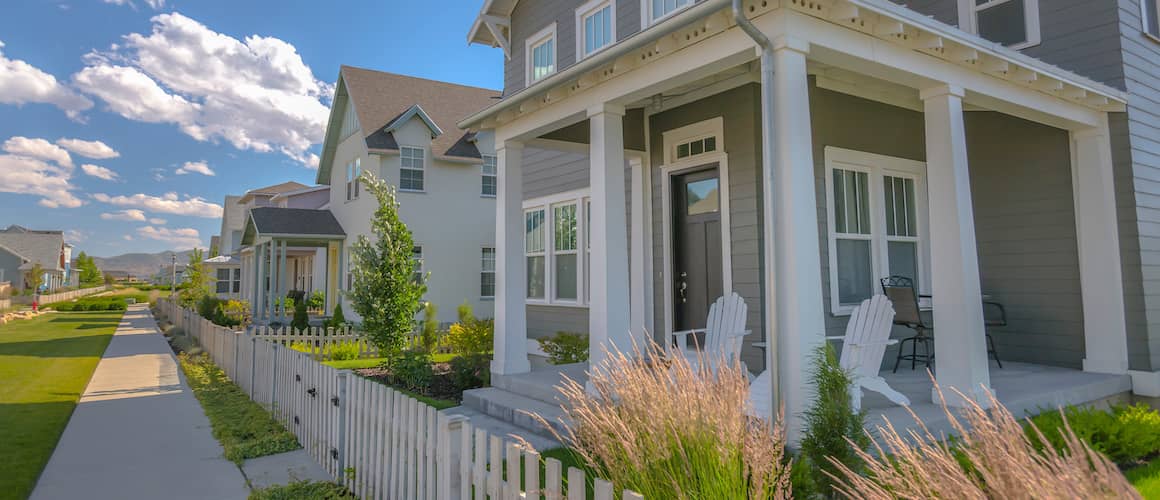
173 279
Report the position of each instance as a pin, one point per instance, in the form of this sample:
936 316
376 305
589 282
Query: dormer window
541 54
1014 23
595 27
660 9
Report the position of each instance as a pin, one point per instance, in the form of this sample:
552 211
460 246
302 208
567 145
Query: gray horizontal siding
946 11
548 172
545 321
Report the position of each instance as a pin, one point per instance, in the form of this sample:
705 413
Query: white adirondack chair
724 332
867 335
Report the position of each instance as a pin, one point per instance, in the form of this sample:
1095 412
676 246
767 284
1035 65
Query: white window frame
494 175
582 14
877 166
422 168
484 271
969 20
580 198
417 249
647 19
353 172
1145 22
536 40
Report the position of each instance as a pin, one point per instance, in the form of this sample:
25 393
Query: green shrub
471 335
337 320
412 369
471 371
565 348
317 300
301 319
830 425
207 307
305 347
1125 434
429 330
232 314
343 351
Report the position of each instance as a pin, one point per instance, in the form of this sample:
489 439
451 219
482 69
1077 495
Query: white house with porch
653 156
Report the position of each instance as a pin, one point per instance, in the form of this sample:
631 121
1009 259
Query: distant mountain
142 265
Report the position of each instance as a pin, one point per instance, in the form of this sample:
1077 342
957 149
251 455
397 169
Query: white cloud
39 149
157 221
98 172
182 238
169 203
153 4
33 176
130 214
22 83
96 150
127 237
75 236
195 167
257 93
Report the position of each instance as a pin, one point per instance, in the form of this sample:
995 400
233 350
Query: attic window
1013 23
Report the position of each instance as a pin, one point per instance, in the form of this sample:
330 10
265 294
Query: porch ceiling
903 47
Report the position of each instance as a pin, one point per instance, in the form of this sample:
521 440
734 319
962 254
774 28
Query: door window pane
701 197
855 275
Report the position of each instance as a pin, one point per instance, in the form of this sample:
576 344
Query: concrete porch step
515 409
504 430
541 384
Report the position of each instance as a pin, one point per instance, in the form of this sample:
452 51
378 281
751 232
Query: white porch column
640 313
794 280
511 330
608 305
283 275
1101 279
960 345
259 304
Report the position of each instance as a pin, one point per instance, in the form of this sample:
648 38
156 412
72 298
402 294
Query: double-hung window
540 51
877 217
353 171
659 9
1150 13
557 249
411 168
1014 23
534 237
489 178
417 264
229 280
595 27
487 273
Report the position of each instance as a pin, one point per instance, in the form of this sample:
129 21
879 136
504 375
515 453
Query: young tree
88 273
197 282
385 292
35 277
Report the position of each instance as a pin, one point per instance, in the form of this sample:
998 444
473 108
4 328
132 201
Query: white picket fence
379 442
60 297
316 340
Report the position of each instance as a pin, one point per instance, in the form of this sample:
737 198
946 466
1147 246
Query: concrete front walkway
138 431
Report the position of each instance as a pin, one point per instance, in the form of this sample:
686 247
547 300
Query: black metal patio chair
994 315
902 294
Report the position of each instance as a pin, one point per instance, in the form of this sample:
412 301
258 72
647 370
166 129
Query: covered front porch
810 150
284 250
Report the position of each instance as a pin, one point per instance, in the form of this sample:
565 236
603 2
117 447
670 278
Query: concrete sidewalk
138 431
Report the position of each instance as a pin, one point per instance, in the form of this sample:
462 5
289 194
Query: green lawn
45 364
1146 479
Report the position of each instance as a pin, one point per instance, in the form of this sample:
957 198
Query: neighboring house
654 155
403 130
226 272
21 249
167 275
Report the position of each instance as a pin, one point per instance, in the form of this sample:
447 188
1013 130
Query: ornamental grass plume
667 429
991 457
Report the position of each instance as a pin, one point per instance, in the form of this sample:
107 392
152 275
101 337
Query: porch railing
379 442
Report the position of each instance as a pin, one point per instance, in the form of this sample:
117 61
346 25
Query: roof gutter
769 183
634 42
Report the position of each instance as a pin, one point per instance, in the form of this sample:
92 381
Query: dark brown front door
696 233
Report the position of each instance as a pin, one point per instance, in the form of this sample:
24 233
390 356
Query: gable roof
384 101
281 222
284 187
37 247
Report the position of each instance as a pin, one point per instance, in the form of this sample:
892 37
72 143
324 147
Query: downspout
767 165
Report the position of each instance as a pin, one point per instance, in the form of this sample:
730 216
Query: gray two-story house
996 157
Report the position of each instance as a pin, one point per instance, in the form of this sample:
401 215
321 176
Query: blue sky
113 112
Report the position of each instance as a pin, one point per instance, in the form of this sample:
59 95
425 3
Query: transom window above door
1014 23
876 210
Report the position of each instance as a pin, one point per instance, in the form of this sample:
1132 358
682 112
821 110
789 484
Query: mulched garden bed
442 385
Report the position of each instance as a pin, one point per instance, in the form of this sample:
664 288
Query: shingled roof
36 247
299 222
380 98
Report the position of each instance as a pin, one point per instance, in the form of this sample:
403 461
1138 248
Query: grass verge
243 427
1146 479
45 364
303 489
